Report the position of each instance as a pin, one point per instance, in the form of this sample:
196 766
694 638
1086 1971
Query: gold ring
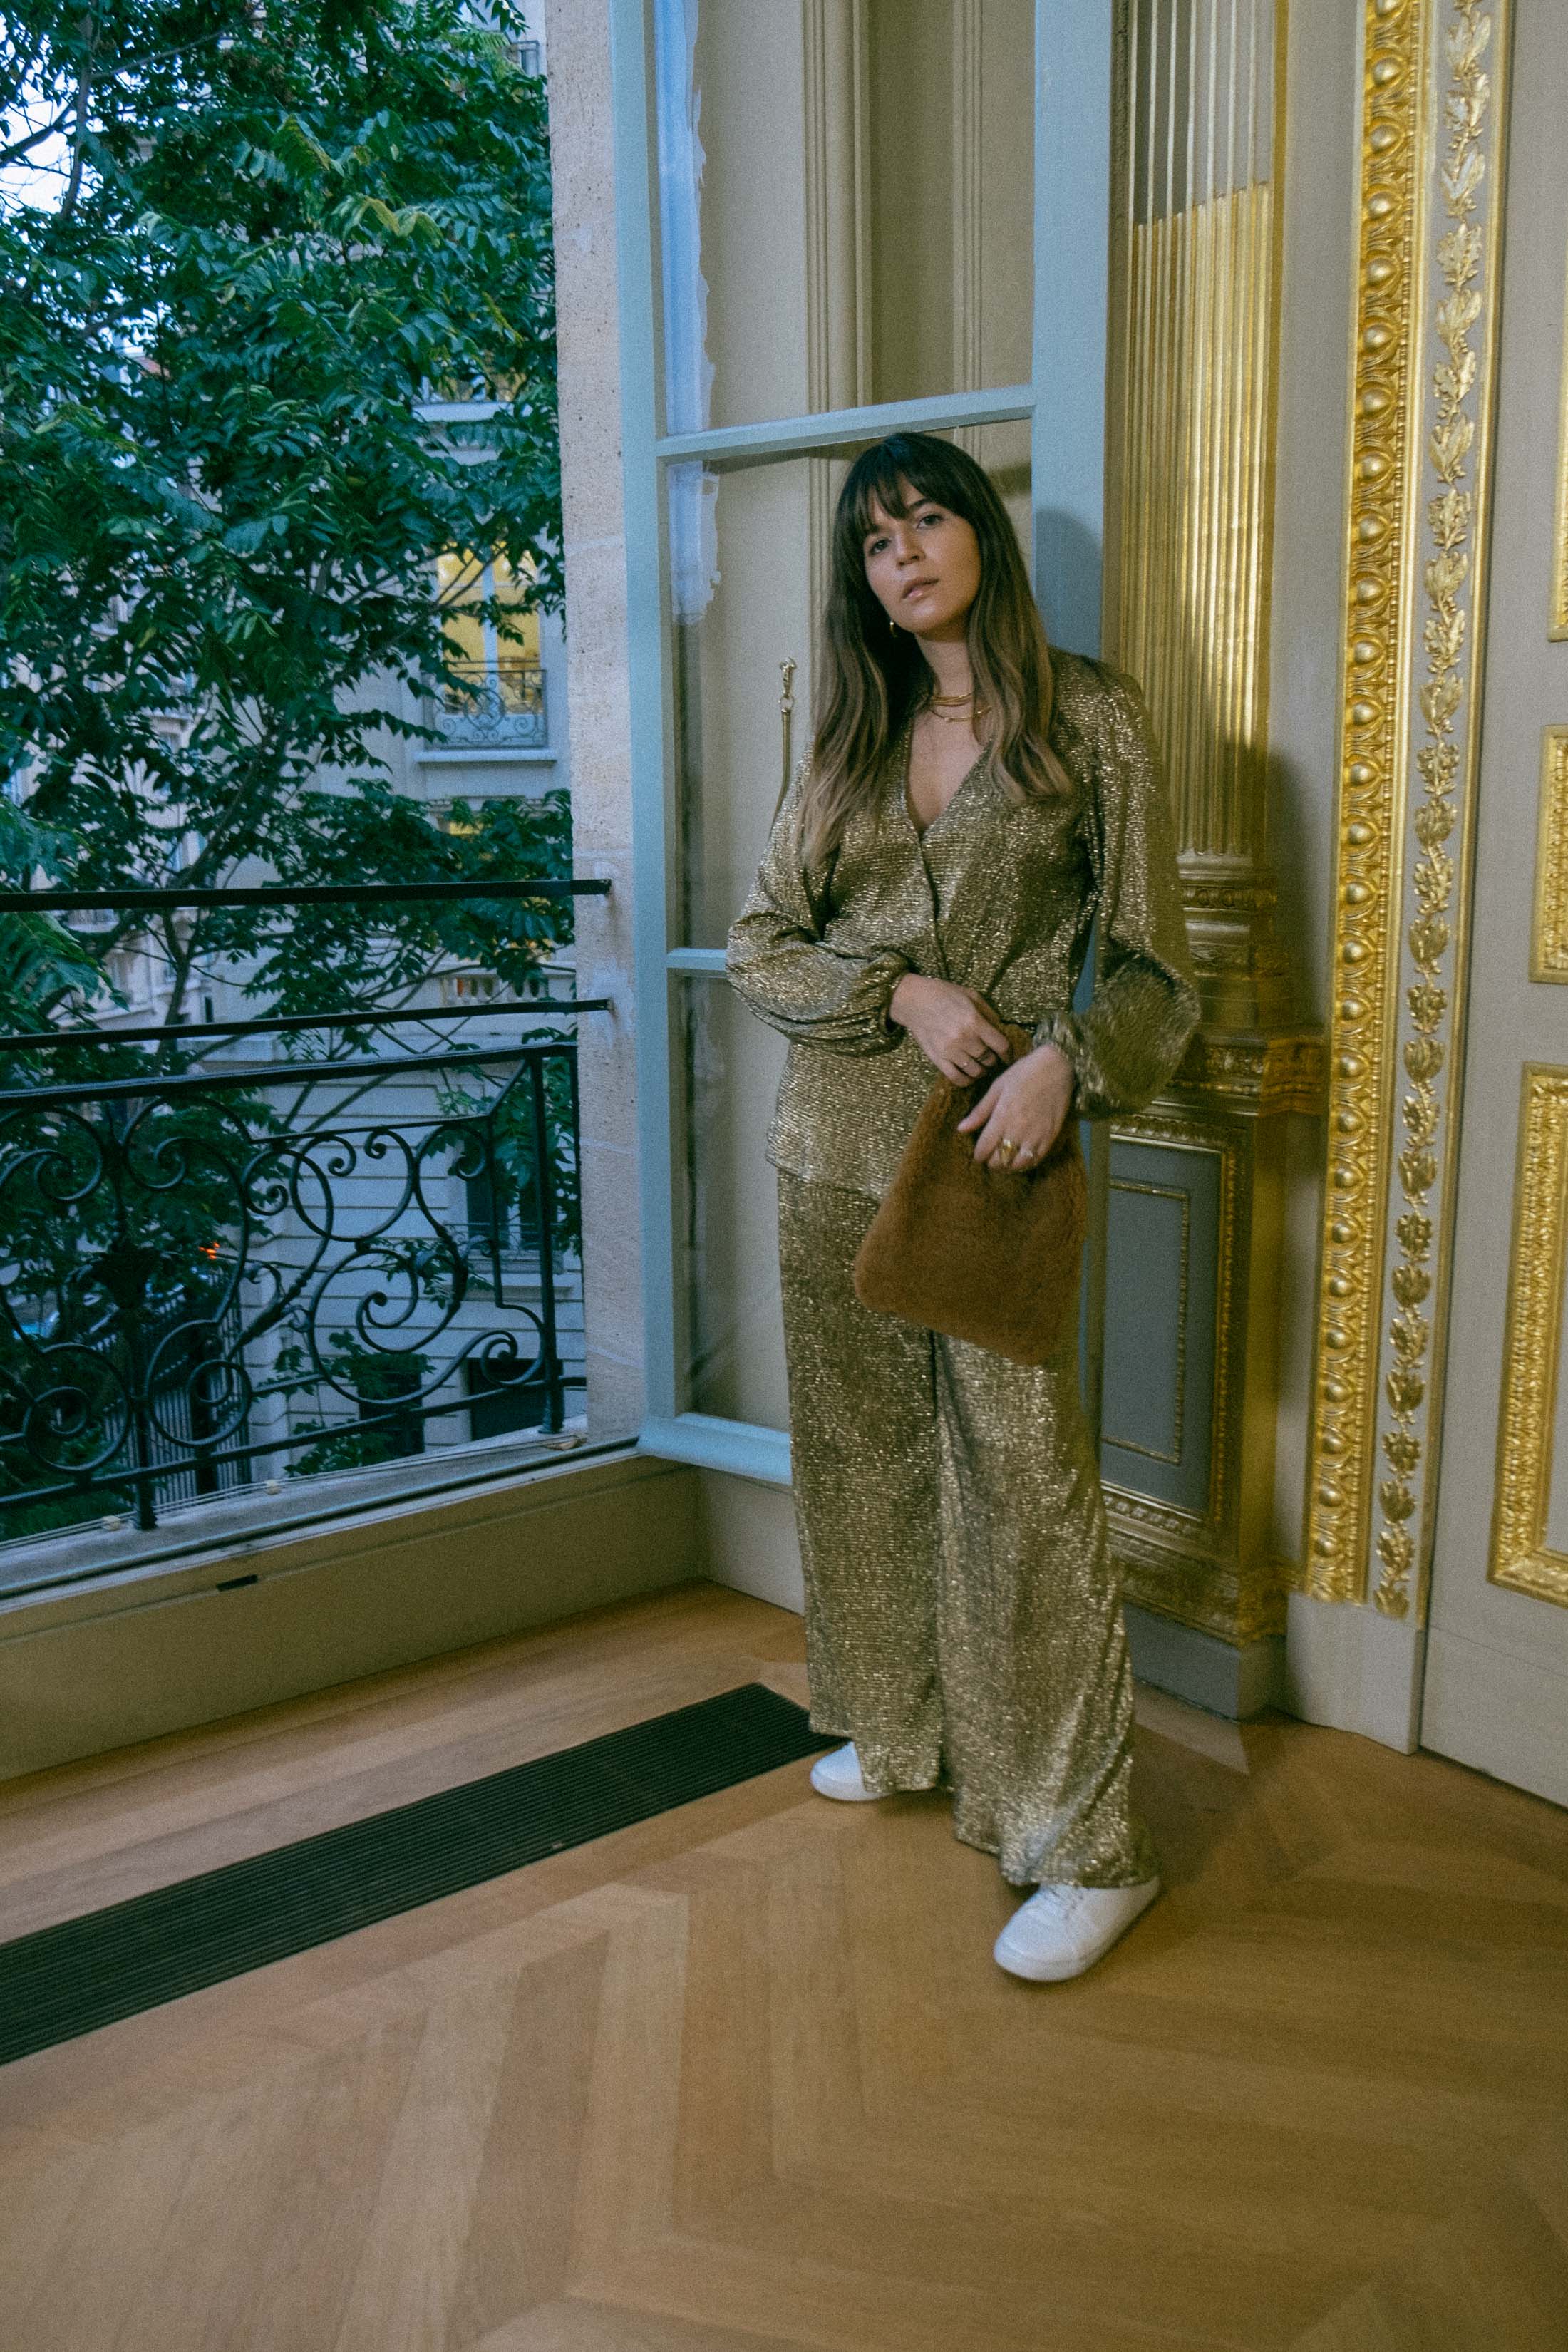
1006 1148
1025 1156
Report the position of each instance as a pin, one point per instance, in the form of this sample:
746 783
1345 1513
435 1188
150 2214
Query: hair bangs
904 462
873 677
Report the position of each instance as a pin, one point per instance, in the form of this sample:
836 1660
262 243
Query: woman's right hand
954 1028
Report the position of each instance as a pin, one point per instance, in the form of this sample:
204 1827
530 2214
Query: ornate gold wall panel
1548 932
1460 366
1423 369
1371 801
1532 1344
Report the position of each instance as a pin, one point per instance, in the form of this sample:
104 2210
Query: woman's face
923 566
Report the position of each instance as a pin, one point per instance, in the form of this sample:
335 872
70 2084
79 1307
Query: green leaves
297 153
219 507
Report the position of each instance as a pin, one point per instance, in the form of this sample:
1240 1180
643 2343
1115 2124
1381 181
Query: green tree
247 252
281 234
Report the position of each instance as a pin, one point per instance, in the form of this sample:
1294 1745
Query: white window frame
1073 54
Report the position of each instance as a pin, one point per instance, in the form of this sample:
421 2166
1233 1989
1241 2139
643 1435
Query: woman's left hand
1026 1106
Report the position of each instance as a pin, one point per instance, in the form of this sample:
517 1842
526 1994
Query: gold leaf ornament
1411 1285
1448 581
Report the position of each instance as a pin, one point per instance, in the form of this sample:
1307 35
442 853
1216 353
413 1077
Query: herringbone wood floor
747 2077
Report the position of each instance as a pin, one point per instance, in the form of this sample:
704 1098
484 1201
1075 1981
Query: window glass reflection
727 1231
845 192
748 556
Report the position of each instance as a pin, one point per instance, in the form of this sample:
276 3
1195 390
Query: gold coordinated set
962 711
964 1619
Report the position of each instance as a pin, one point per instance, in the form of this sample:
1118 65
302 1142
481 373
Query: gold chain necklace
963 716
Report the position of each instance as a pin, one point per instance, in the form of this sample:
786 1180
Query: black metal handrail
292 894
197 1276
172 1281
247 1079
192 1032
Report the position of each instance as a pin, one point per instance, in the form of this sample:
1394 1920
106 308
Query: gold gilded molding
1520 1557
1453 548
1372 746
1558 625
1548 932
1271 1072
1193 372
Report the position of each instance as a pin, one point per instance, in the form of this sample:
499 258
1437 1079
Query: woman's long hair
870 678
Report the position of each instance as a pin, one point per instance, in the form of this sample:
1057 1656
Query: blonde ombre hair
871 679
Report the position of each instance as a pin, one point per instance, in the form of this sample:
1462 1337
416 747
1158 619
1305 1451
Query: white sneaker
1063 1930
837 1774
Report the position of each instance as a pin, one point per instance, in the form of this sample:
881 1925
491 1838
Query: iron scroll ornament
196 1284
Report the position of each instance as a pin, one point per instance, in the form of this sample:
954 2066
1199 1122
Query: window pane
749 549
847 197
751 609
727 1218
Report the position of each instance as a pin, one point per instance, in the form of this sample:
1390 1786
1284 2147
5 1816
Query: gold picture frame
1522 1557
1549 931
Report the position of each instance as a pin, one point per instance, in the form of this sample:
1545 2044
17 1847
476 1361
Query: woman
970 804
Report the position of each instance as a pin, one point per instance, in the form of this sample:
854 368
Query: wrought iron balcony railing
256 1269
499 703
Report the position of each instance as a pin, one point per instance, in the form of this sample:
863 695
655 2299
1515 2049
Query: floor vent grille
69 1979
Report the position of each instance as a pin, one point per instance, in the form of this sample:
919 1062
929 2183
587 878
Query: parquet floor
745 2079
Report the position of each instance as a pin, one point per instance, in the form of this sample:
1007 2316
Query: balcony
292 1249
494 706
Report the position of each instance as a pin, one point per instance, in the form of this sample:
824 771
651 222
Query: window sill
705 1442
88 1558
160 1647
489 755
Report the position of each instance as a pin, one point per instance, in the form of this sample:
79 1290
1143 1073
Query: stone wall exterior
588 343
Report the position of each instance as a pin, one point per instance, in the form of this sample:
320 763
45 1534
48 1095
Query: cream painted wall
747 1536
157 1649
749 68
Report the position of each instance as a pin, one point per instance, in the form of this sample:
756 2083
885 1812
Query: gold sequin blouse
997 895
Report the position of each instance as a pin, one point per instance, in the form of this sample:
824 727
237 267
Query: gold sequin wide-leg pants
963 1622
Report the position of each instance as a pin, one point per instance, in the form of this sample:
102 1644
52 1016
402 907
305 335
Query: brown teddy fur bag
991 1257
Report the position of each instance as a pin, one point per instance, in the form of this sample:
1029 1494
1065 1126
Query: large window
837 217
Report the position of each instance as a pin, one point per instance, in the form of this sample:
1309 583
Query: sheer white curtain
688 370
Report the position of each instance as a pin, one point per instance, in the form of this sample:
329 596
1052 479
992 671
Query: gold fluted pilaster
1195 341
1196 272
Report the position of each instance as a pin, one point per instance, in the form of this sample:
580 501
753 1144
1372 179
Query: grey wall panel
1161 1311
